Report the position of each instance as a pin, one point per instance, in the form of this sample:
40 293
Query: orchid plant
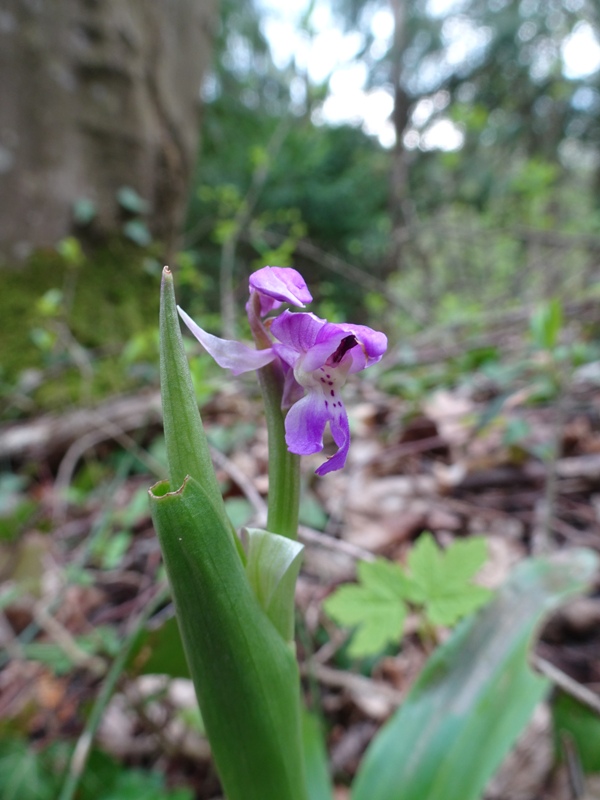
234 596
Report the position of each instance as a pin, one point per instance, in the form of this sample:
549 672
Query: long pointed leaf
187 447
318 779
188 452
245 675
475 694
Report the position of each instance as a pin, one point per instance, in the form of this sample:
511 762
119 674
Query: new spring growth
315 358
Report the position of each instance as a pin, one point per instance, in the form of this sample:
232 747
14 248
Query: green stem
284 467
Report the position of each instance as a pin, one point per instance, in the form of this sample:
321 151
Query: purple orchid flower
316 357
322 355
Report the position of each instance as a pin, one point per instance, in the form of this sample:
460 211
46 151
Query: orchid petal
328 341
292 390
228 354
319 340
297 330
305 424
289 355
372 346
340 430
277 285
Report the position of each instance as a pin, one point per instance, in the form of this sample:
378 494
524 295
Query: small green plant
546 324
436 582
35 774
135 228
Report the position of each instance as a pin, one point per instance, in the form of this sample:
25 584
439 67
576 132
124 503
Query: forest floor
511 453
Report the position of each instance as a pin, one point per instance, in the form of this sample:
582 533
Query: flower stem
284 467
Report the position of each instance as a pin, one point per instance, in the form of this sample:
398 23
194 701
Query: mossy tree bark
95 96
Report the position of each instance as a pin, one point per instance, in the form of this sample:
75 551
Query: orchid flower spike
316 357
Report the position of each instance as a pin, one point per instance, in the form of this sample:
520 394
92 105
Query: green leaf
107 779
245 674
103 640
70 249
188 452
84 210
312 513
272 567
239 511
475 695
131 201
134 784
546 324
114 549
318 779
441 580
50 654
160 652
22 776
137 232
582 726
376 606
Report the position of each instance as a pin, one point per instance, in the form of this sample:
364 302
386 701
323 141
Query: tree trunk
400 116
96 95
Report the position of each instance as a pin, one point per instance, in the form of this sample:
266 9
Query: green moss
106 300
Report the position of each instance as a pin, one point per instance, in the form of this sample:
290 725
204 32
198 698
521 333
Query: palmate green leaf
449 608
441 579
376 606
475 695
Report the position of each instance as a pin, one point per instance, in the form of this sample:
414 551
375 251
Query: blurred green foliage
576 727
36 774
64 319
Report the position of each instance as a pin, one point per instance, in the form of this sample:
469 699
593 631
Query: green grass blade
475 694
318 778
